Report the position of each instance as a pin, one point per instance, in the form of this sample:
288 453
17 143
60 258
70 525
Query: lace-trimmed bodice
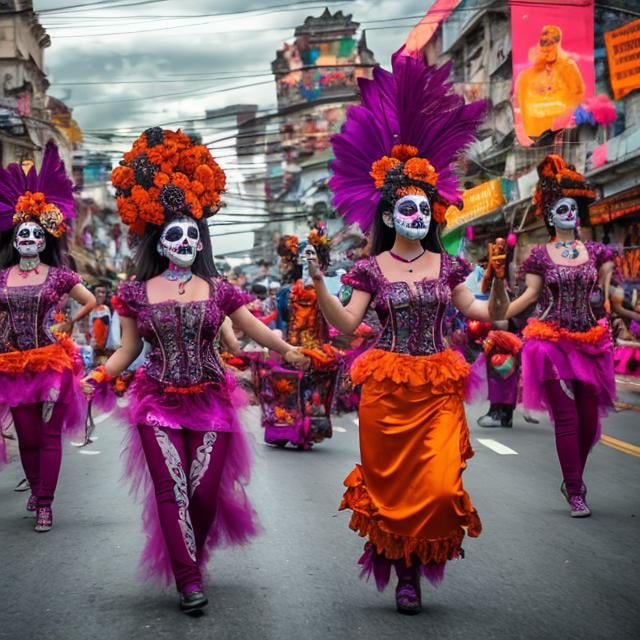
411 315
25 311
568 289
182 335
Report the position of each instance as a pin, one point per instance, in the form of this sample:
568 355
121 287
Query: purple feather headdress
45 197
405 117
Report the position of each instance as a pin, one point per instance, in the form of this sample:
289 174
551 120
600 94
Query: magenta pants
186 467
574 410
40 445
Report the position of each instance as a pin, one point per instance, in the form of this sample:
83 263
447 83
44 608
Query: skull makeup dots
305 251
564 214
412 217
30 240
180 242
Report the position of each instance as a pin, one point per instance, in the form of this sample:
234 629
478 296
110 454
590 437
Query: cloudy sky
125 65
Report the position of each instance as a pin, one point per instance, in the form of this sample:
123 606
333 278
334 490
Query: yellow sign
623 53
477 202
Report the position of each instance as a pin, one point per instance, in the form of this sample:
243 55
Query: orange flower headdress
45 197
557 180
166 175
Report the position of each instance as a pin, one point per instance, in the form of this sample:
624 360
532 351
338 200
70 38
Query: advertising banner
553 72
623 53
477 202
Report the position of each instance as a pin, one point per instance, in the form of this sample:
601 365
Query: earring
387 219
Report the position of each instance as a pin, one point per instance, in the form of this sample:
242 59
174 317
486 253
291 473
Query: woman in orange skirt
406 495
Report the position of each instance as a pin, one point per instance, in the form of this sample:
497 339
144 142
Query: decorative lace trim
200 465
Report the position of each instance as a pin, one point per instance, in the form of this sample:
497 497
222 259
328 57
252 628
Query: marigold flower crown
166 175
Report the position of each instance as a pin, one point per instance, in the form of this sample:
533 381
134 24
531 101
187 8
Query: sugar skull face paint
180 242
30 240
412 217
564 214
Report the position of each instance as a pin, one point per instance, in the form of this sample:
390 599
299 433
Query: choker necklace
569 247
29 265
181 276
395 256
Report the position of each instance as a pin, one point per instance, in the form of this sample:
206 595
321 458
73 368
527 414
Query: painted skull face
564 214
30 239
180 242
305 251
412 217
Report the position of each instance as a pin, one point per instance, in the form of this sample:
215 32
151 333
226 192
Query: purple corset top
411 314
182 335
568 289
26 311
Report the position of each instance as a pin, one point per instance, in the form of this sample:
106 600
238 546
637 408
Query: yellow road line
622 406
621 445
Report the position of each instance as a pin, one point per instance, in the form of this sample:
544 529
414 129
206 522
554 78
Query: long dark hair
53 255
383 237
149 263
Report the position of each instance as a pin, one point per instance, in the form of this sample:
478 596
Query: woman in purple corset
567 357
186 451
39 365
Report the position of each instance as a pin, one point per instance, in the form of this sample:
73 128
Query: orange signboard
477 202
623 52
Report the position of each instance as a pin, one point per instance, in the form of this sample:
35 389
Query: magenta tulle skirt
566 359
626 360
213 409
30 387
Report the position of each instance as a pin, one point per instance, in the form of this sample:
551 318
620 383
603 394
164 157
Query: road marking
339 429
88 452
621 445
625 406
101 418
497 447
355 421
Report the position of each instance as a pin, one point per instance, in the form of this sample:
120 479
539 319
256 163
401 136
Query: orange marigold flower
161 178
128 210
380 168
282 415
421 170
123 177
404 151
139 195
197 187
282 386
181 180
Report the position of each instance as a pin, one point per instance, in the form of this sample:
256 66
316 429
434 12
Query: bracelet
98 376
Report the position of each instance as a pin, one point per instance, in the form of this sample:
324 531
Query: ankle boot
506 415
408 595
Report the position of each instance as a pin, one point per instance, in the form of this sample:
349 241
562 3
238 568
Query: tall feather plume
52 180
413 105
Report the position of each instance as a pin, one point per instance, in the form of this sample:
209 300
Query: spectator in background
99 322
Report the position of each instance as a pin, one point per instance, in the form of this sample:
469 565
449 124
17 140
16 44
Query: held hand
314 268
295 358
88 386
62 327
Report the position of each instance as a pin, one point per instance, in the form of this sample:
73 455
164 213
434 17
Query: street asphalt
535 573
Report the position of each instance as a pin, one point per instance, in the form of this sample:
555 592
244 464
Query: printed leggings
186 468
40 445
574 409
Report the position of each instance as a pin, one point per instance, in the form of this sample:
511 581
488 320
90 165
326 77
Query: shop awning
478 202
615 206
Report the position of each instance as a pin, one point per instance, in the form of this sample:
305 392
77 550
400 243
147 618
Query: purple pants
185 467
574 410
40 445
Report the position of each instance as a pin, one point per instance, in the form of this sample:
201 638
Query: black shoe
506 416
192 601
492 419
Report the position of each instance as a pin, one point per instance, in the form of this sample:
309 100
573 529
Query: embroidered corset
182 335
25 311
568 290
411 315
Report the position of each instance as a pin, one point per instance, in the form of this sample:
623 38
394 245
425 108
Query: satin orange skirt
407 496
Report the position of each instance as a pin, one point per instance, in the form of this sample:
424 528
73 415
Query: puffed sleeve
535 263
603 253
125 302
362 276
66 280
459 270
229 297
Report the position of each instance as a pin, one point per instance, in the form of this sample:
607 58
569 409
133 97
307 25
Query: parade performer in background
186 451
393 175
296 406
626 325
567 356
99 324
40 367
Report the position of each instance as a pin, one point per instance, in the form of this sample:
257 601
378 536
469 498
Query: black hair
149 263
383 236
53 255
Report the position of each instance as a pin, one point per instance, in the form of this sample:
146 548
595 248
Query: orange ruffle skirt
407 496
